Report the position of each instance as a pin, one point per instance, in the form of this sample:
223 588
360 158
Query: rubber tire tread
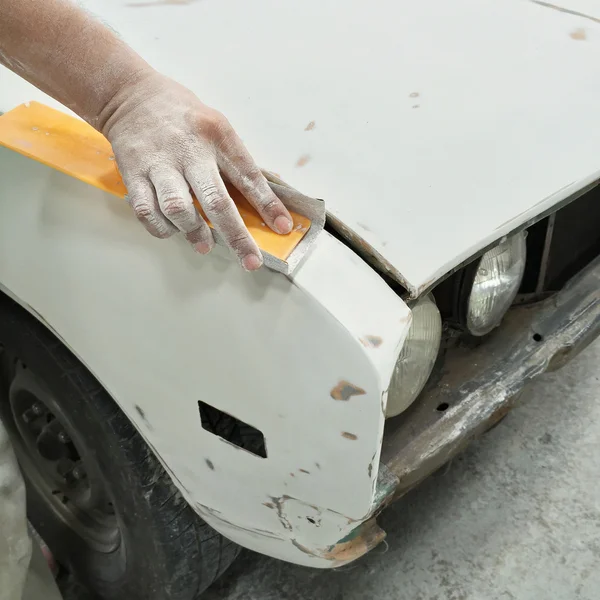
171 553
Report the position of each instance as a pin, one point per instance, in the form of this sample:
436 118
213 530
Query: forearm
165 140
65 52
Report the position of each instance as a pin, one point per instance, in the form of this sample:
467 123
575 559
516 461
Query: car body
433 133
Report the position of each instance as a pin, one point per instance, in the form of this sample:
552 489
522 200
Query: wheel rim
55 459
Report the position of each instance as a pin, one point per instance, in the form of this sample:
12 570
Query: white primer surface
162 327
438 126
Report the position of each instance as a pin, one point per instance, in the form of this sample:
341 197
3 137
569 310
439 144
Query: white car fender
306 360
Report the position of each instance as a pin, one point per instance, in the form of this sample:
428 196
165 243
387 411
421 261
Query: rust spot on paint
362 539
292 475
371 341
349 436
310 126
344 390
578 34
209 464
413 95
304 471
303 160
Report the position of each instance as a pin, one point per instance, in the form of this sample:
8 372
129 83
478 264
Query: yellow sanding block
75 148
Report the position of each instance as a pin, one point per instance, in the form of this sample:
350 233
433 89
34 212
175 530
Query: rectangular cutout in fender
232 430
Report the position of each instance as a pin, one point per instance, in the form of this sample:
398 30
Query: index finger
224 215
241 170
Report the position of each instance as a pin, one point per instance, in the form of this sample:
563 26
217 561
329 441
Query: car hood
430 129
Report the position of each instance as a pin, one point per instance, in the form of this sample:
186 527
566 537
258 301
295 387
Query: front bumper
477 386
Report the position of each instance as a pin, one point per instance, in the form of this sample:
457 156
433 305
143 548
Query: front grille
561 245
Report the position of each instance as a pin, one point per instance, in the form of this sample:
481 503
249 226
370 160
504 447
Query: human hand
167 142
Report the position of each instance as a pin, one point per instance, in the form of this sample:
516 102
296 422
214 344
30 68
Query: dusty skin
166 141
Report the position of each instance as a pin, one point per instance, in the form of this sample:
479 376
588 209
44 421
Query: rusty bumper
478 384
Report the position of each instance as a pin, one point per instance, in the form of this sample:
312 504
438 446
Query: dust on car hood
430 129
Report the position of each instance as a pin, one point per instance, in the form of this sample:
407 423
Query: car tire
114 520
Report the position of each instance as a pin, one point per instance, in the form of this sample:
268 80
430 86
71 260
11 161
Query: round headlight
417 357
496 284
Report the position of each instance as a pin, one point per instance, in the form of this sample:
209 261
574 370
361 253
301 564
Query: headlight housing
417 358
496 284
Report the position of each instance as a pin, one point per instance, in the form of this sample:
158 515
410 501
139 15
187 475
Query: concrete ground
516 517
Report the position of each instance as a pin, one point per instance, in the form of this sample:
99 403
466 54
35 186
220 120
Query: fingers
176 204
220 209
239 168
142 198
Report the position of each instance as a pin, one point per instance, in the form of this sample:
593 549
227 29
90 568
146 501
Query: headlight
417 357
496 284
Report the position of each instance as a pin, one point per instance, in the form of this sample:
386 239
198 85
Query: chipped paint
209 464
371 341
578 34
278 505
304 159
208 509
140 411
349 436
229 524
385 485
345 390
357 543
304 471
310 126
302 548
370 470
